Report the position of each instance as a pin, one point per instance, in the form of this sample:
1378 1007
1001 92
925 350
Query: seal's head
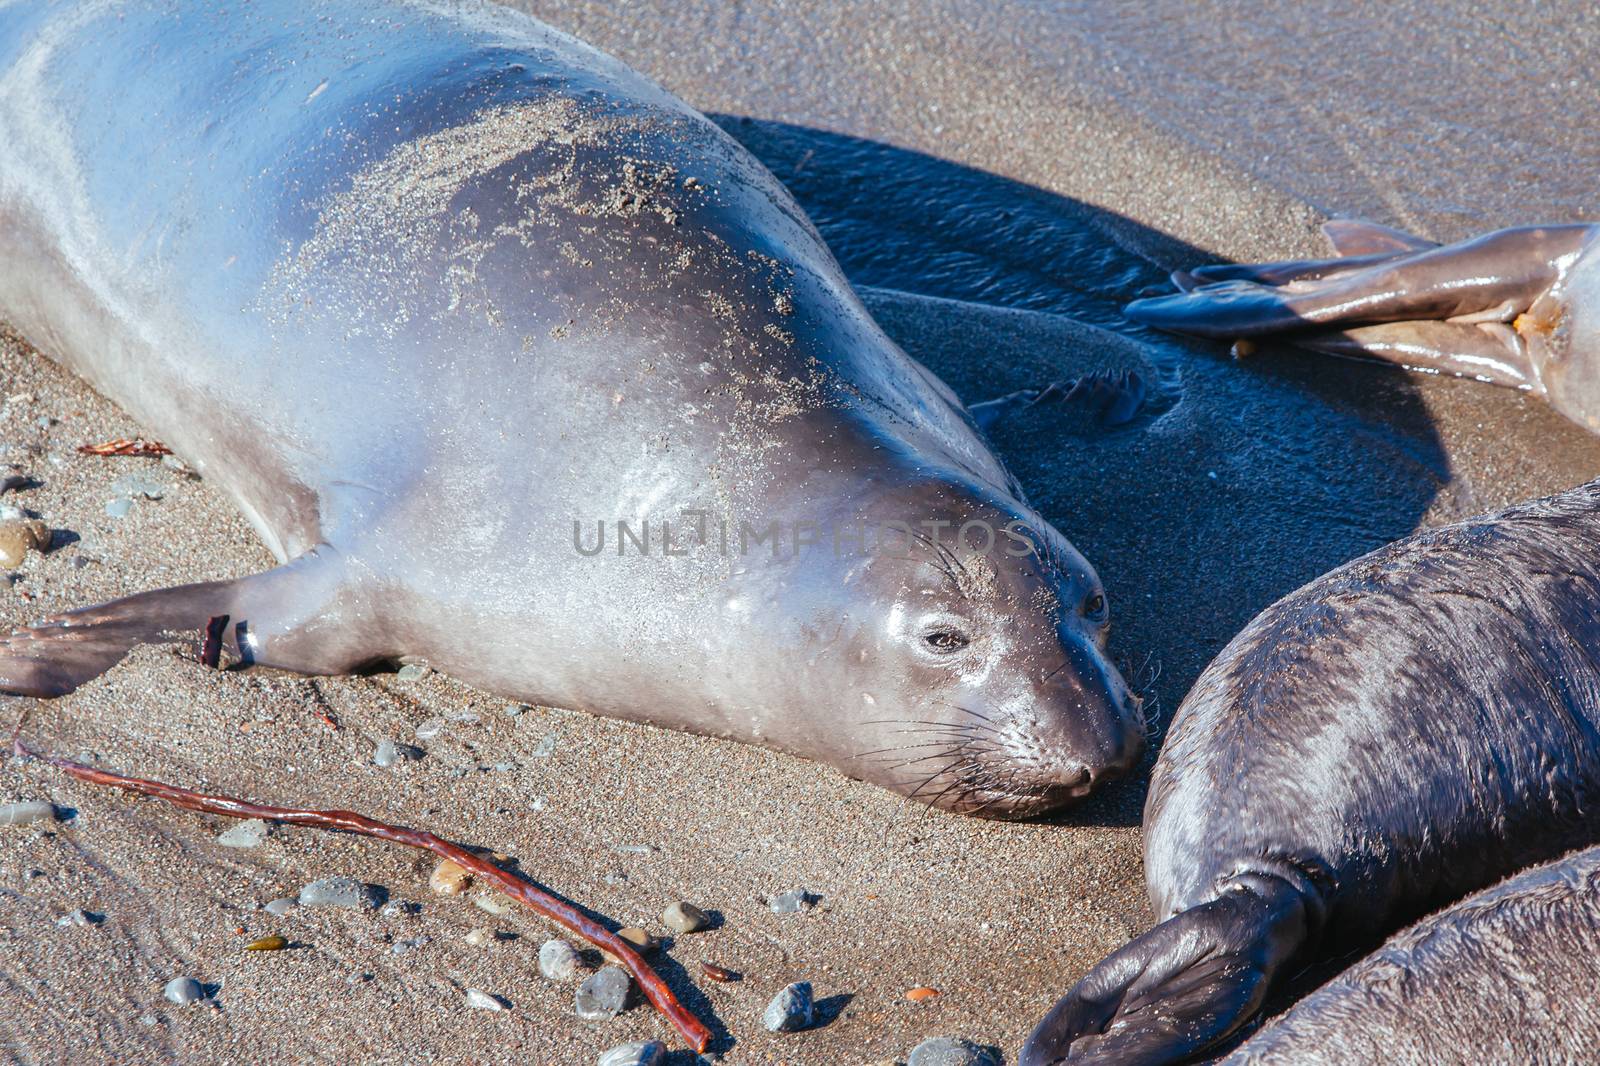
965 646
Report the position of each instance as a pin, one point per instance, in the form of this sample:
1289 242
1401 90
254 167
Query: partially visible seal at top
521 366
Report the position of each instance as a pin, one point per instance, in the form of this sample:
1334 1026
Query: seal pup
444 299
1506 975
1413 726
1518 307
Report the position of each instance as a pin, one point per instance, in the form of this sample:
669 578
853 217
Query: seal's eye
946 640
1095 606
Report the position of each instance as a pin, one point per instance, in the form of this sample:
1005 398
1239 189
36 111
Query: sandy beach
997 180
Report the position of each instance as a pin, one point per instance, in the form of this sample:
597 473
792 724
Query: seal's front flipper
1183 987
1492 278
1487 351
1353 237
296 617
1112 396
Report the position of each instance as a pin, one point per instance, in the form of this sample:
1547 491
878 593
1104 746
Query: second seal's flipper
1353 237
1487 351
1183 987
1114 396
1496 276
271 615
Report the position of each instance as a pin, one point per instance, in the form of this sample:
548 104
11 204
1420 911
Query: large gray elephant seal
1508 975
1410 727
1517 307
443 297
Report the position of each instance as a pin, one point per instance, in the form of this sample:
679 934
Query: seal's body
1507 975
1406 729
443 298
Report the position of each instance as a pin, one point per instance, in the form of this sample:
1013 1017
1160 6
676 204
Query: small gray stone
643 1053
119 507
430 729
80 918
341 892
484 1001
279 907
247 834
413 672
950 1051
25 812
685 918
603 995
791 1009
389 752
183 991
792 902
135 485
12 513
515 710
558 961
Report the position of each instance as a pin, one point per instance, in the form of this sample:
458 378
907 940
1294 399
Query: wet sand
998 179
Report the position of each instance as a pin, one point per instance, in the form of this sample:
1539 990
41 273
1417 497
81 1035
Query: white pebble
484 1001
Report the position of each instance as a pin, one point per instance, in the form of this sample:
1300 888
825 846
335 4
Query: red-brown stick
655 989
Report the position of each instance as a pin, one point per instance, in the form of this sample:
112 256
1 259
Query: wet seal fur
1506 975
1410 727
429 289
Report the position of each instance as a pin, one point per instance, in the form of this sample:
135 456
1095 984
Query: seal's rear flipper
1491 279
1183 987
272 615
1353 237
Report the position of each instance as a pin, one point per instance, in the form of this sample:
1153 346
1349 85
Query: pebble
922 994
643 1053
430 729
641 940
400 947
950 1051
267 943
413 672
792 902
388 753
685 918
25 812
515 710
80 918
449 879
119 507
481 936
247 834
603 995
341 892
400 908
134 485
183 991
279 907
17 538
559 961
545 748
12 513
791 1009
484 1001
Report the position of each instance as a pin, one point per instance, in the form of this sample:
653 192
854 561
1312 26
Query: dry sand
994 176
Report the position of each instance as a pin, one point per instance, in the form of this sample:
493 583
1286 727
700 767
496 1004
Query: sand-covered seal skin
1507 975
1517 307
1409 728
439 295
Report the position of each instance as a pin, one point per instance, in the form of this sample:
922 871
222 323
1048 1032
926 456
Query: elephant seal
445 299
1517 307
1413 726
1507 975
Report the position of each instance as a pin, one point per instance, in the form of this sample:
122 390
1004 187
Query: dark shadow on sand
1238 483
